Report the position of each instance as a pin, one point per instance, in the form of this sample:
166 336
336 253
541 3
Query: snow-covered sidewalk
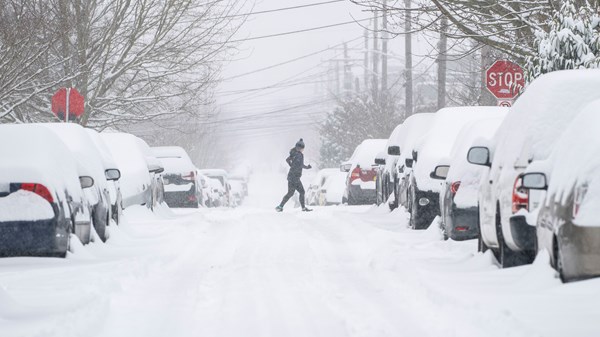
338 271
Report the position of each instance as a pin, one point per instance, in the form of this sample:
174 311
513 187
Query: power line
285 8
289 61
288 33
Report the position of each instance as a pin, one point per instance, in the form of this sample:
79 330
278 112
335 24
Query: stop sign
505 79
76 102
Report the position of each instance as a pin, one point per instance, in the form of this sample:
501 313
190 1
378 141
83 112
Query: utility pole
384 56
366 60
442 62
487 59
347 75
375 85
408 66
337 77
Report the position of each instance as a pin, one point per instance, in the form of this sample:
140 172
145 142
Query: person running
296 162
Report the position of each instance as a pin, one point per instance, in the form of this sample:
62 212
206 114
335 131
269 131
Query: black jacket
296 162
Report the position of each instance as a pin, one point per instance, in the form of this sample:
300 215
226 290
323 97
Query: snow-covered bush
572 41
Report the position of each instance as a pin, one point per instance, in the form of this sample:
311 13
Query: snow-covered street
338 271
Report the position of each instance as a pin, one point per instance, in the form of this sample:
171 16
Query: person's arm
306 167
289 160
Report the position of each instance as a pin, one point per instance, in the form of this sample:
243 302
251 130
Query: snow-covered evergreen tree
355 119
572 41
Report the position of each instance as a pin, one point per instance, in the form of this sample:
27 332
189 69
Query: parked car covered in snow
237 192
218 196
528 134
180 177
414 129
360 185
222 177
313 193
568 224
458 198
332 192
87 155
434 151
140 177
41 198
387 172
112 175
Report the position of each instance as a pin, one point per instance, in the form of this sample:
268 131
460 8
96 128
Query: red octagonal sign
505 79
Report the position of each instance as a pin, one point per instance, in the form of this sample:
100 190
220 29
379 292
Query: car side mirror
156 169
112 174
86 181
394 150
409 162
440 172
535 181
379 161
479 155
345 167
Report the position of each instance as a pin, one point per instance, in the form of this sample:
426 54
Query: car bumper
428 207
580 251
362 196
523 235
463 223
33 238
181 199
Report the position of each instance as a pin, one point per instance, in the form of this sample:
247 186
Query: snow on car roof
365 153
105 155
131 160
83 148
459 166
214 172
447 124
37 155
415 127
541 114
174 159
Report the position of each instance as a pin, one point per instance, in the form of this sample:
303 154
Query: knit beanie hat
300 144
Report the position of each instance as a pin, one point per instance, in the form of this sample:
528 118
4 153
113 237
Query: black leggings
293 186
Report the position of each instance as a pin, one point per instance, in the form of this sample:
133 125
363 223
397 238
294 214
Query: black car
41 199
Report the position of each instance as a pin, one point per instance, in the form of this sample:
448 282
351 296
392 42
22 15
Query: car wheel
414 212
558 263
508 258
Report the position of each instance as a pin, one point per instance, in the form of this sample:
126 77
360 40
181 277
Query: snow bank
440 140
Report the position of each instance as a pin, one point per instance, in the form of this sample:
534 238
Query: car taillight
189 176
578 199
355 174
520 196
38 189
454 187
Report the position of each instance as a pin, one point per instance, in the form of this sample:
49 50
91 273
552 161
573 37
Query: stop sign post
505 79
68 102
